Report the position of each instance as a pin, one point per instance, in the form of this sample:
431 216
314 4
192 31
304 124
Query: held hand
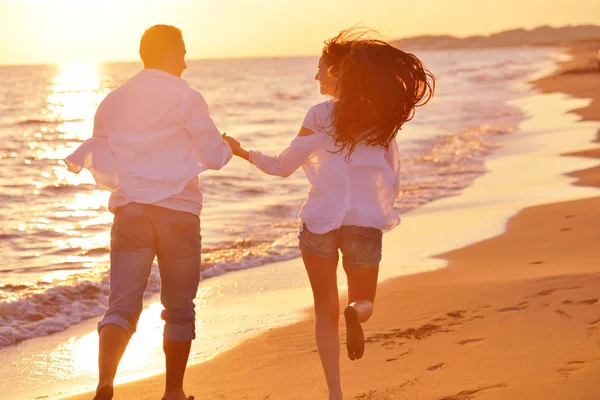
232 142
236 148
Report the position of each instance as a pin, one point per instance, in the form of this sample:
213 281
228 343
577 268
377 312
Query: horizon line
37 64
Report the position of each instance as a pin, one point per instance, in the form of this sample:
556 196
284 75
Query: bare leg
362 286
323 280
176 355
113 341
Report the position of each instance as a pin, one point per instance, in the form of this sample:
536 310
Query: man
152 137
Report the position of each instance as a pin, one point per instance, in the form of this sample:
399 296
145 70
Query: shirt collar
157 73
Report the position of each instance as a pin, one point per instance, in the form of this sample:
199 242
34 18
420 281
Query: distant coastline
541 36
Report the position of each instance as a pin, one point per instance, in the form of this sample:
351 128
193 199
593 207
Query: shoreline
450 324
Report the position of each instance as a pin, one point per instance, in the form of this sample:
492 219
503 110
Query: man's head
162 47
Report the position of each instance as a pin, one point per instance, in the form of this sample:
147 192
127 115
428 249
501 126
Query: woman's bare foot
355 339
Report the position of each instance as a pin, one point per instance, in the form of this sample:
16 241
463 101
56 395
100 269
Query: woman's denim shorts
360 246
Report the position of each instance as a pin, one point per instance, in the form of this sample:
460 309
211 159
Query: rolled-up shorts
139 233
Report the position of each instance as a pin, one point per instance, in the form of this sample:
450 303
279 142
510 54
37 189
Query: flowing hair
378 88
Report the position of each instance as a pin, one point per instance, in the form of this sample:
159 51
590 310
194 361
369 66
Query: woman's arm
392 156
285 163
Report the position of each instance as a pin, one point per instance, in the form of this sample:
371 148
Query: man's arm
206 138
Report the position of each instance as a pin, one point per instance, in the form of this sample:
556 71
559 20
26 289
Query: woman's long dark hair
378 88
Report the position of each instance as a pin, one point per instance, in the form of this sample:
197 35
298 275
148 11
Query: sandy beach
516 316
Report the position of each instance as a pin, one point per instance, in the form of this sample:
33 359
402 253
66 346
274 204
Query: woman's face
327 83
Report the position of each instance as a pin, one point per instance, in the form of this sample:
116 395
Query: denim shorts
360 246
139 233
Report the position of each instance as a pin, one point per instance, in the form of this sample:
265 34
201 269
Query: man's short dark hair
156 43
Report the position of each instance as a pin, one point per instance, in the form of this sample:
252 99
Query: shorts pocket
311 240
364 247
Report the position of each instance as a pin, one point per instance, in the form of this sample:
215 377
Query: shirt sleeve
318 118
392 156
207 142
310 120
99 131
290 159
82 156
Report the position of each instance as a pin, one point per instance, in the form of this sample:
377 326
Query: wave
13 288
36 121
57 308
253 191
287 97
60 188
9 236
35 310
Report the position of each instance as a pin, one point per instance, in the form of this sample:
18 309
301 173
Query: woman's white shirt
360 191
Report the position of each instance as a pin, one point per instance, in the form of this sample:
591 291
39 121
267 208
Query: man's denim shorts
139 233
360 246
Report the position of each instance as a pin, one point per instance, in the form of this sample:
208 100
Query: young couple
153 135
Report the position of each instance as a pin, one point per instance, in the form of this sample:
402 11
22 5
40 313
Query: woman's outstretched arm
288 161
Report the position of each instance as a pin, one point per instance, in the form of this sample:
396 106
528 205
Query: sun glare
144 345
76 77
74 97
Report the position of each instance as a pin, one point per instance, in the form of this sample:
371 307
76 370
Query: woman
347 149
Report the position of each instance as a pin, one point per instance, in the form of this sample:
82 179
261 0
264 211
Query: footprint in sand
587 302
457 314
536 262
594 327
400 356
520 306
471 341
546 292
436 367
565 229
410 333
571 367
562 313
569 216
468 394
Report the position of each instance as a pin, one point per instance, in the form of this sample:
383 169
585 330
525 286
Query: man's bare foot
355 339
105 392
178 398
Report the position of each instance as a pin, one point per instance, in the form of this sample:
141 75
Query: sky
65 31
